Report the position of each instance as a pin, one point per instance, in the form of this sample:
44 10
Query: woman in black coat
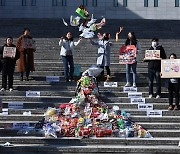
8 64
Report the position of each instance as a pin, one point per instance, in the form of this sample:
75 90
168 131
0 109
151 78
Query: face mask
154 44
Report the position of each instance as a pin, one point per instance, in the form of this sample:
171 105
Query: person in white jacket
67 51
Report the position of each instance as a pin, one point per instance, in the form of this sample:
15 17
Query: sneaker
134 85
10 89
158 96
176 108
127 84
170 107
150 96
3 89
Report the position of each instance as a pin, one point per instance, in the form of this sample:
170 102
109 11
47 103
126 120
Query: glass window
85 2
176 3
94 2
145 3
23 2
115 3
63 2
2 2
155 3
33 2
124 3
54 2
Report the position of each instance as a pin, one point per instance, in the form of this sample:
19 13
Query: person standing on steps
154 68
173 86
103 59
8 59
26 46
67 51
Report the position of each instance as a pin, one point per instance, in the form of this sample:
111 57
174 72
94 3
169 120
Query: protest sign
20 125
110 84
9 52
4 111
52 78
15 105
135 95
32 93
127 54
28 43
130 89
137 100
145 106
170 68
154 113
152 55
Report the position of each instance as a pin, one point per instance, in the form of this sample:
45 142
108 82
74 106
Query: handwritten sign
145 106
135 95
15 105
52 78
127 54
28 43
32 93
137 100
152 55
130 89
9 52
170 68
4 111
20 125
154 113
110 84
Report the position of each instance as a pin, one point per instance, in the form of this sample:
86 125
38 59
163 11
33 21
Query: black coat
156 64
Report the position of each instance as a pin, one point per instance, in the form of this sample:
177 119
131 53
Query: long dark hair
71 39
26 29
133 41
172 54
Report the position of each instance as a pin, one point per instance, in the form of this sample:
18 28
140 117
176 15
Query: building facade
110 9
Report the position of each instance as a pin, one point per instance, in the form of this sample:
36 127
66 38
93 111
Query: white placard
130 89
9 52
145 106
4 111
154 113
110 84
15 105
20 125
32 93
52 78
135 95
137 100
28 43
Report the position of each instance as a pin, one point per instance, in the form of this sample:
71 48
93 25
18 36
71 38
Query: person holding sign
9 54
67 51
103 59
154 68
173 86
131 40
26 46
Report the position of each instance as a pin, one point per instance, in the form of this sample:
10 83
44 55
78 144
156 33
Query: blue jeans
154 74
128 68
68 61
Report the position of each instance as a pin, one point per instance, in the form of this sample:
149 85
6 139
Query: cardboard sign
130 89
170 68
4 111
28 43
135 95
110 84
154 113
20 125
137 100
145 106
127 54
32 93
15 105
52 78
9 52
152 55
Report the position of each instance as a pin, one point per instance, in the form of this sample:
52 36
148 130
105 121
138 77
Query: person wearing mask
103 57
131 40
154 68
173 87
8 63
67 45
26 61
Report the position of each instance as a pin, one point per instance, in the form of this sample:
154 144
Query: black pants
107 69
173 87
27 63
154 74
7 72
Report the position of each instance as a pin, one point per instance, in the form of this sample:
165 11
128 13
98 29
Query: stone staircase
165 130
